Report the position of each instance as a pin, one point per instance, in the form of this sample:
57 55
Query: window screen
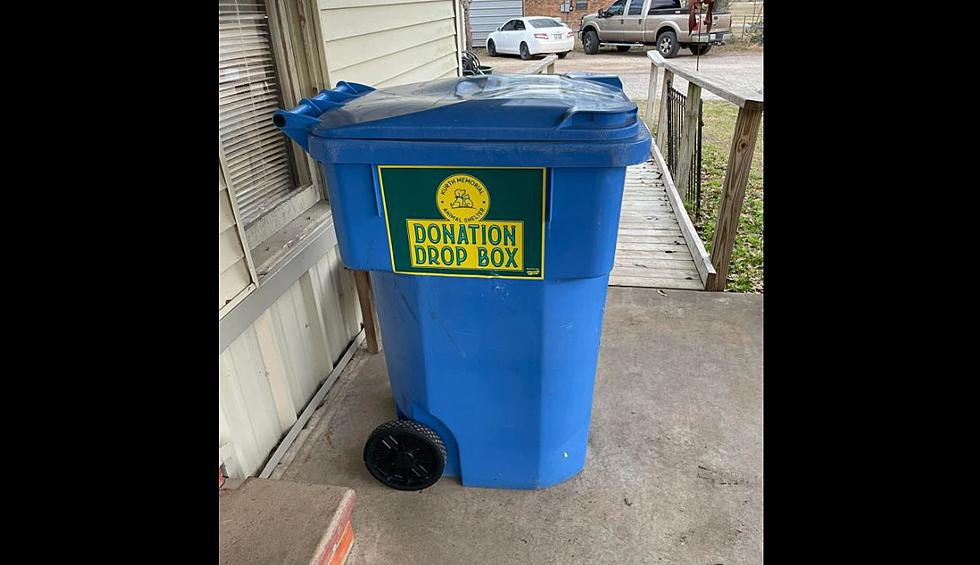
259 163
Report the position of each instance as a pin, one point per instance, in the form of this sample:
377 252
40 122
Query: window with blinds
257 155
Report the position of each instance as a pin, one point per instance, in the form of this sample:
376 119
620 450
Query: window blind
259 163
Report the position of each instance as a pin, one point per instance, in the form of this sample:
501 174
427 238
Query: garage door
488 15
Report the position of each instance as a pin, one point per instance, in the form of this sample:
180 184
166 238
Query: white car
532 35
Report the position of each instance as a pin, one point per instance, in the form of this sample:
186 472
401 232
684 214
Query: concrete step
269 521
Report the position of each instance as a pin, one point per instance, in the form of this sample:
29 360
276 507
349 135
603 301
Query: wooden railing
545 66
750 106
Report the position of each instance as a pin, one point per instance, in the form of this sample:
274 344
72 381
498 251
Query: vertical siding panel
285 344
301 337
271 354
270 372
330 301
224 432
320 346
321 288
301 342
227 453
487 15
289 337
230 395
249 374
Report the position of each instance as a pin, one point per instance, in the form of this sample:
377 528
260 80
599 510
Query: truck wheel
667 43
525 53
622 48
700 49
590 42
405 455
491 49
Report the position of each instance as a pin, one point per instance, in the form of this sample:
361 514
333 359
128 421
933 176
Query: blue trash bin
486 209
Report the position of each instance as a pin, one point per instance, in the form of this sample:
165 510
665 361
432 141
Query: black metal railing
675 128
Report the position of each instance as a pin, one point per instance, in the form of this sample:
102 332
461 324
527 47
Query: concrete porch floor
674 468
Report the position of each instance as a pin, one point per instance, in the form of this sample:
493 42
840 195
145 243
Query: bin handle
603 79
298 122
598 119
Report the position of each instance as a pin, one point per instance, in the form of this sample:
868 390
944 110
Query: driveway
736 67
673 470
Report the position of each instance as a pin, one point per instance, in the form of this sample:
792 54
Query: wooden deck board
650 250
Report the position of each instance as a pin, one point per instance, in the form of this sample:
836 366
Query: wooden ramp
652 250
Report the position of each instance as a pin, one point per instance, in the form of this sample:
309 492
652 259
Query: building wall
487 15
286 347
389 42
269 372
553 8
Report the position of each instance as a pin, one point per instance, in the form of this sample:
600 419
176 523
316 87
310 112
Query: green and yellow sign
465 221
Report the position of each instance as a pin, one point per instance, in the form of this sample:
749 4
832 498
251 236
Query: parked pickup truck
663 23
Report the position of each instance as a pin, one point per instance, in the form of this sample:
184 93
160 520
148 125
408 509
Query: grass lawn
738 47
745 272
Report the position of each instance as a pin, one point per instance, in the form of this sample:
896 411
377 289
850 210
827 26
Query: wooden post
551 68
362 279
688 141
664 108
733 194
652 91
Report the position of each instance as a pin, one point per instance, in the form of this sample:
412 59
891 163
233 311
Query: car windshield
544 22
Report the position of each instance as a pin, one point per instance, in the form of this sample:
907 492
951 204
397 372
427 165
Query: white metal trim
273 285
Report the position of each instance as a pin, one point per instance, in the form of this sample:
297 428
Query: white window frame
294 27
299 51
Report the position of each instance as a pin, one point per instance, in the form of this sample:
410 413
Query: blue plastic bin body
503 369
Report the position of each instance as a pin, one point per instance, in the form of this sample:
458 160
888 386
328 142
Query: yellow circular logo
462 198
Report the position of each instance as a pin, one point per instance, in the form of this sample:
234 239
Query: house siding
389 42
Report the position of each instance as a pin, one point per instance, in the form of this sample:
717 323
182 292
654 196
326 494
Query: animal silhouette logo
462 198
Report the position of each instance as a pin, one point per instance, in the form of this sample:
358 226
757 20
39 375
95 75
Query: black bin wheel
405 455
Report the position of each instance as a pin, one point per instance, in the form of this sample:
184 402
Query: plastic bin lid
491 107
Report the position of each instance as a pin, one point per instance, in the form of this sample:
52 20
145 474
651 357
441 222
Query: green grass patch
745 272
